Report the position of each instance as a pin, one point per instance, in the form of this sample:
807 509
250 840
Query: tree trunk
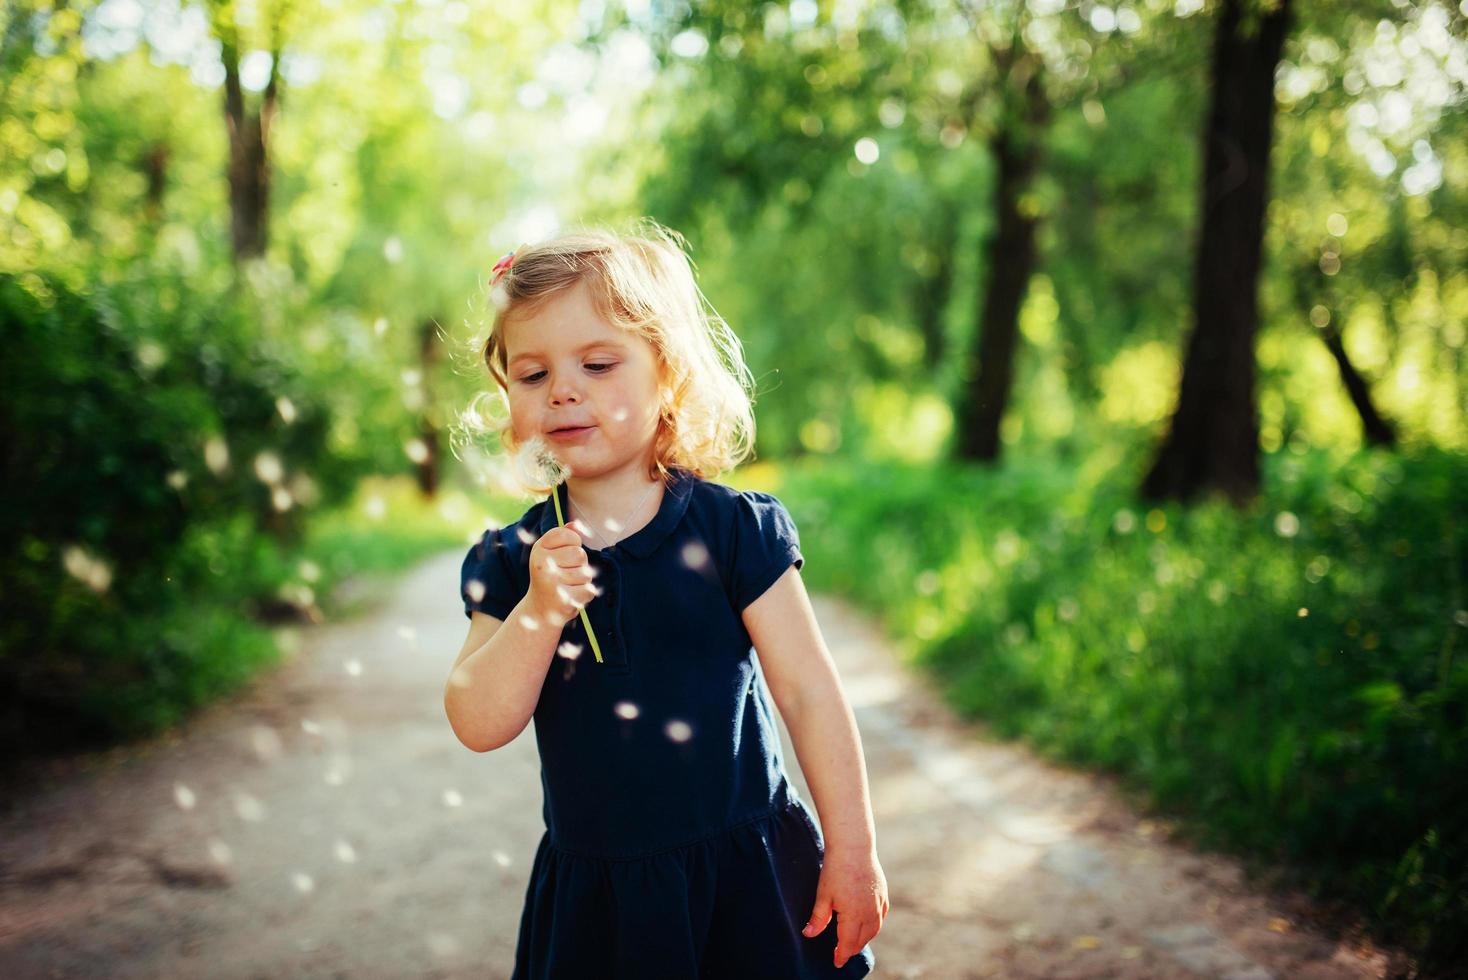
428 467
249 144
1009 261
1311 287
155 169
1213 442
1376 429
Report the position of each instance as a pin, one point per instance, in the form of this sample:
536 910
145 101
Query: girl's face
566 366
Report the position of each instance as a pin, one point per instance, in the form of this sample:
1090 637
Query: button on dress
675 846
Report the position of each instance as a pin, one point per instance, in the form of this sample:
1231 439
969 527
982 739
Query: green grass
134 662
1289 679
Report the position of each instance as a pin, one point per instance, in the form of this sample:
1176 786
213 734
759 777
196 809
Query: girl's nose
563 390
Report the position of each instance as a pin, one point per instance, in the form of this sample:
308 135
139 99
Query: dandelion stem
561 520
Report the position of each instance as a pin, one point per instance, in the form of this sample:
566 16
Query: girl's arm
802 679
495 684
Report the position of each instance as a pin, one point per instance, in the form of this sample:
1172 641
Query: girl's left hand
853 885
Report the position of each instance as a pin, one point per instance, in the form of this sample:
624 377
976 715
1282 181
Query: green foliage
156 453
1292 677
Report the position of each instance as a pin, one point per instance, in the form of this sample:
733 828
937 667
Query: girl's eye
532 378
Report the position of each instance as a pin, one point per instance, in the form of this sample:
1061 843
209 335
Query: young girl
619 613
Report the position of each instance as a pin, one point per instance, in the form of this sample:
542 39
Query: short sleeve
485 582
766 543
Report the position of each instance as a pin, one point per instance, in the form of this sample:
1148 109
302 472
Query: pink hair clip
502 266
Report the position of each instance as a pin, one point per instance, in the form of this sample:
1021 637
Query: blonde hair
640 281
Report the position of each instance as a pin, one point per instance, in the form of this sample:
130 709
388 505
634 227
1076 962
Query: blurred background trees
1050 278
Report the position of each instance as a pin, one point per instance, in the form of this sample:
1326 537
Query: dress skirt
730 906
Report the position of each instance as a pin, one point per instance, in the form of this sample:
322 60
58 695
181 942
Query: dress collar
645 540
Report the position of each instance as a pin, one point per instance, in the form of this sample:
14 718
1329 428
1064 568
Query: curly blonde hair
640 281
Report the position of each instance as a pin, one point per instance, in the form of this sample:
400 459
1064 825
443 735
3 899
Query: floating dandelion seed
569 650
679 731
151 355
183 796
453 509
474 589
408 633
345 852
452 797
499 297
220 852
442 945
249 808
281 499
927 581
296 593
216 454
303 882
695 555
341 768
1286 524
303 489
626 709
177 479
286 408
564 596
500 858
268 467
375 507
83 565
310 727
353 667
289 640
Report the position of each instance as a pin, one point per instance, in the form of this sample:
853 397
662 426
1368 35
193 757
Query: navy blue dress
675 846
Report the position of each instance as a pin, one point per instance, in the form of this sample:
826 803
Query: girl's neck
615 496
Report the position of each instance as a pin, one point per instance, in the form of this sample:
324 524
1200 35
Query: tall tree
1213 440
1015 144
249 127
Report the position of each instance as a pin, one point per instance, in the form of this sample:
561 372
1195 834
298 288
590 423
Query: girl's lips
571 435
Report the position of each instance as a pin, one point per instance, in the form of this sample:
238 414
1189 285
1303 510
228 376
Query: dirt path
327 824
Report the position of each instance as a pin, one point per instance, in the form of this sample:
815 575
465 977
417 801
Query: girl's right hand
560 575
